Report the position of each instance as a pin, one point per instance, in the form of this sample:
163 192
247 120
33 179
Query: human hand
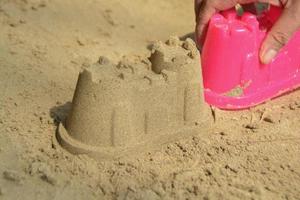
278 36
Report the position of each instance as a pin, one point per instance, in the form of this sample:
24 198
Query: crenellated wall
121 105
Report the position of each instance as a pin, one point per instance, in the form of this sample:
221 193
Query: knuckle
280 38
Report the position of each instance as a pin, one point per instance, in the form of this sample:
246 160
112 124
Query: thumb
279 35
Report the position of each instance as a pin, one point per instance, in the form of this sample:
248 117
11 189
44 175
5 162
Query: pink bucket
234 77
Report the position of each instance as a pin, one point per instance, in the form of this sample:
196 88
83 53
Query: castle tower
183 58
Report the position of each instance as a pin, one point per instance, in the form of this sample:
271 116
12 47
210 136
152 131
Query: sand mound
116 108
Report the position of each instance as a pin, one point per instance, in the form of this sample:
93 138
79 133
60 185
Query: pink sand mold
234 77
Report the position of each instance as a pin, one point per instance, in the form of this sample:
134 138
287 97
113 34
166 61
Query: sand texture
45 45
119 107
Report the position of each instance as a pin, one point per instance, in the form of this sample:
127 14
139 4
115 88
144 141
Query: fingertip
278 36
268 55
198 35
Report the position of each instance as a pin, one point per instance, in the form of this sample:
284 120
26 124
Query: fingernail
268 56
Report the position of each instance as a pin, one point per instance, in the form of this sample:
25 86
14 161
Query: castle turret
182 57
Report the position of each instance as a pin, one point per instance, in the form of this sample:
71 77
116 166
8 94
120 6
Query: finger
206 11
279 35
197 7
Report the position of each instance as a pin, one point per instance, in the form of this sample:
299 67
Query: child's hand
285 27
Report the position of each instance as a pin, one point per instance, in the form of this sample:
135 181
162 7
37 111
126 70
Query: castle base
150 143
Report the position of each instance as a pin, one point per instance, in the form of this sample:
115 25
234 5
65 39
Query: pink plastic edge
265 93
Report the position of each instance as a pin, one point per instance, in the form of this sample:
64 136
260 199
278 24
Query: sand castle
138 103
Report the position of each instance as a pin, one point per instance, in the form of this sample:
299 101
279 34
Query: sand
44 45
118 109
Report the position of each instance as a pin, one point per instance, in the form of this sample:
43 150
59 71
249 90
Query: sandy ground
252 154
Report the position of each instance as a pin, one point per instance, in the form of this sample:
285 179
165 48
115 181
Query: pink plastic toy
234 77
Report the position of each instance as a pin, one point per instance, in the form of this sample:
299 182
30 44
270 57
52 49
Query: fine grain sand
121 109
251 154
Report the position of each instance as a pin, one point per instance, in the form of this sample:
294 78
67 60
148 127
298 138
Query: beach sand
45 44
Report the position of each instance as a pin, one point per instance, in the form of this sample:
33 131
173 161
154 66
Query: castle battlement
136 100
